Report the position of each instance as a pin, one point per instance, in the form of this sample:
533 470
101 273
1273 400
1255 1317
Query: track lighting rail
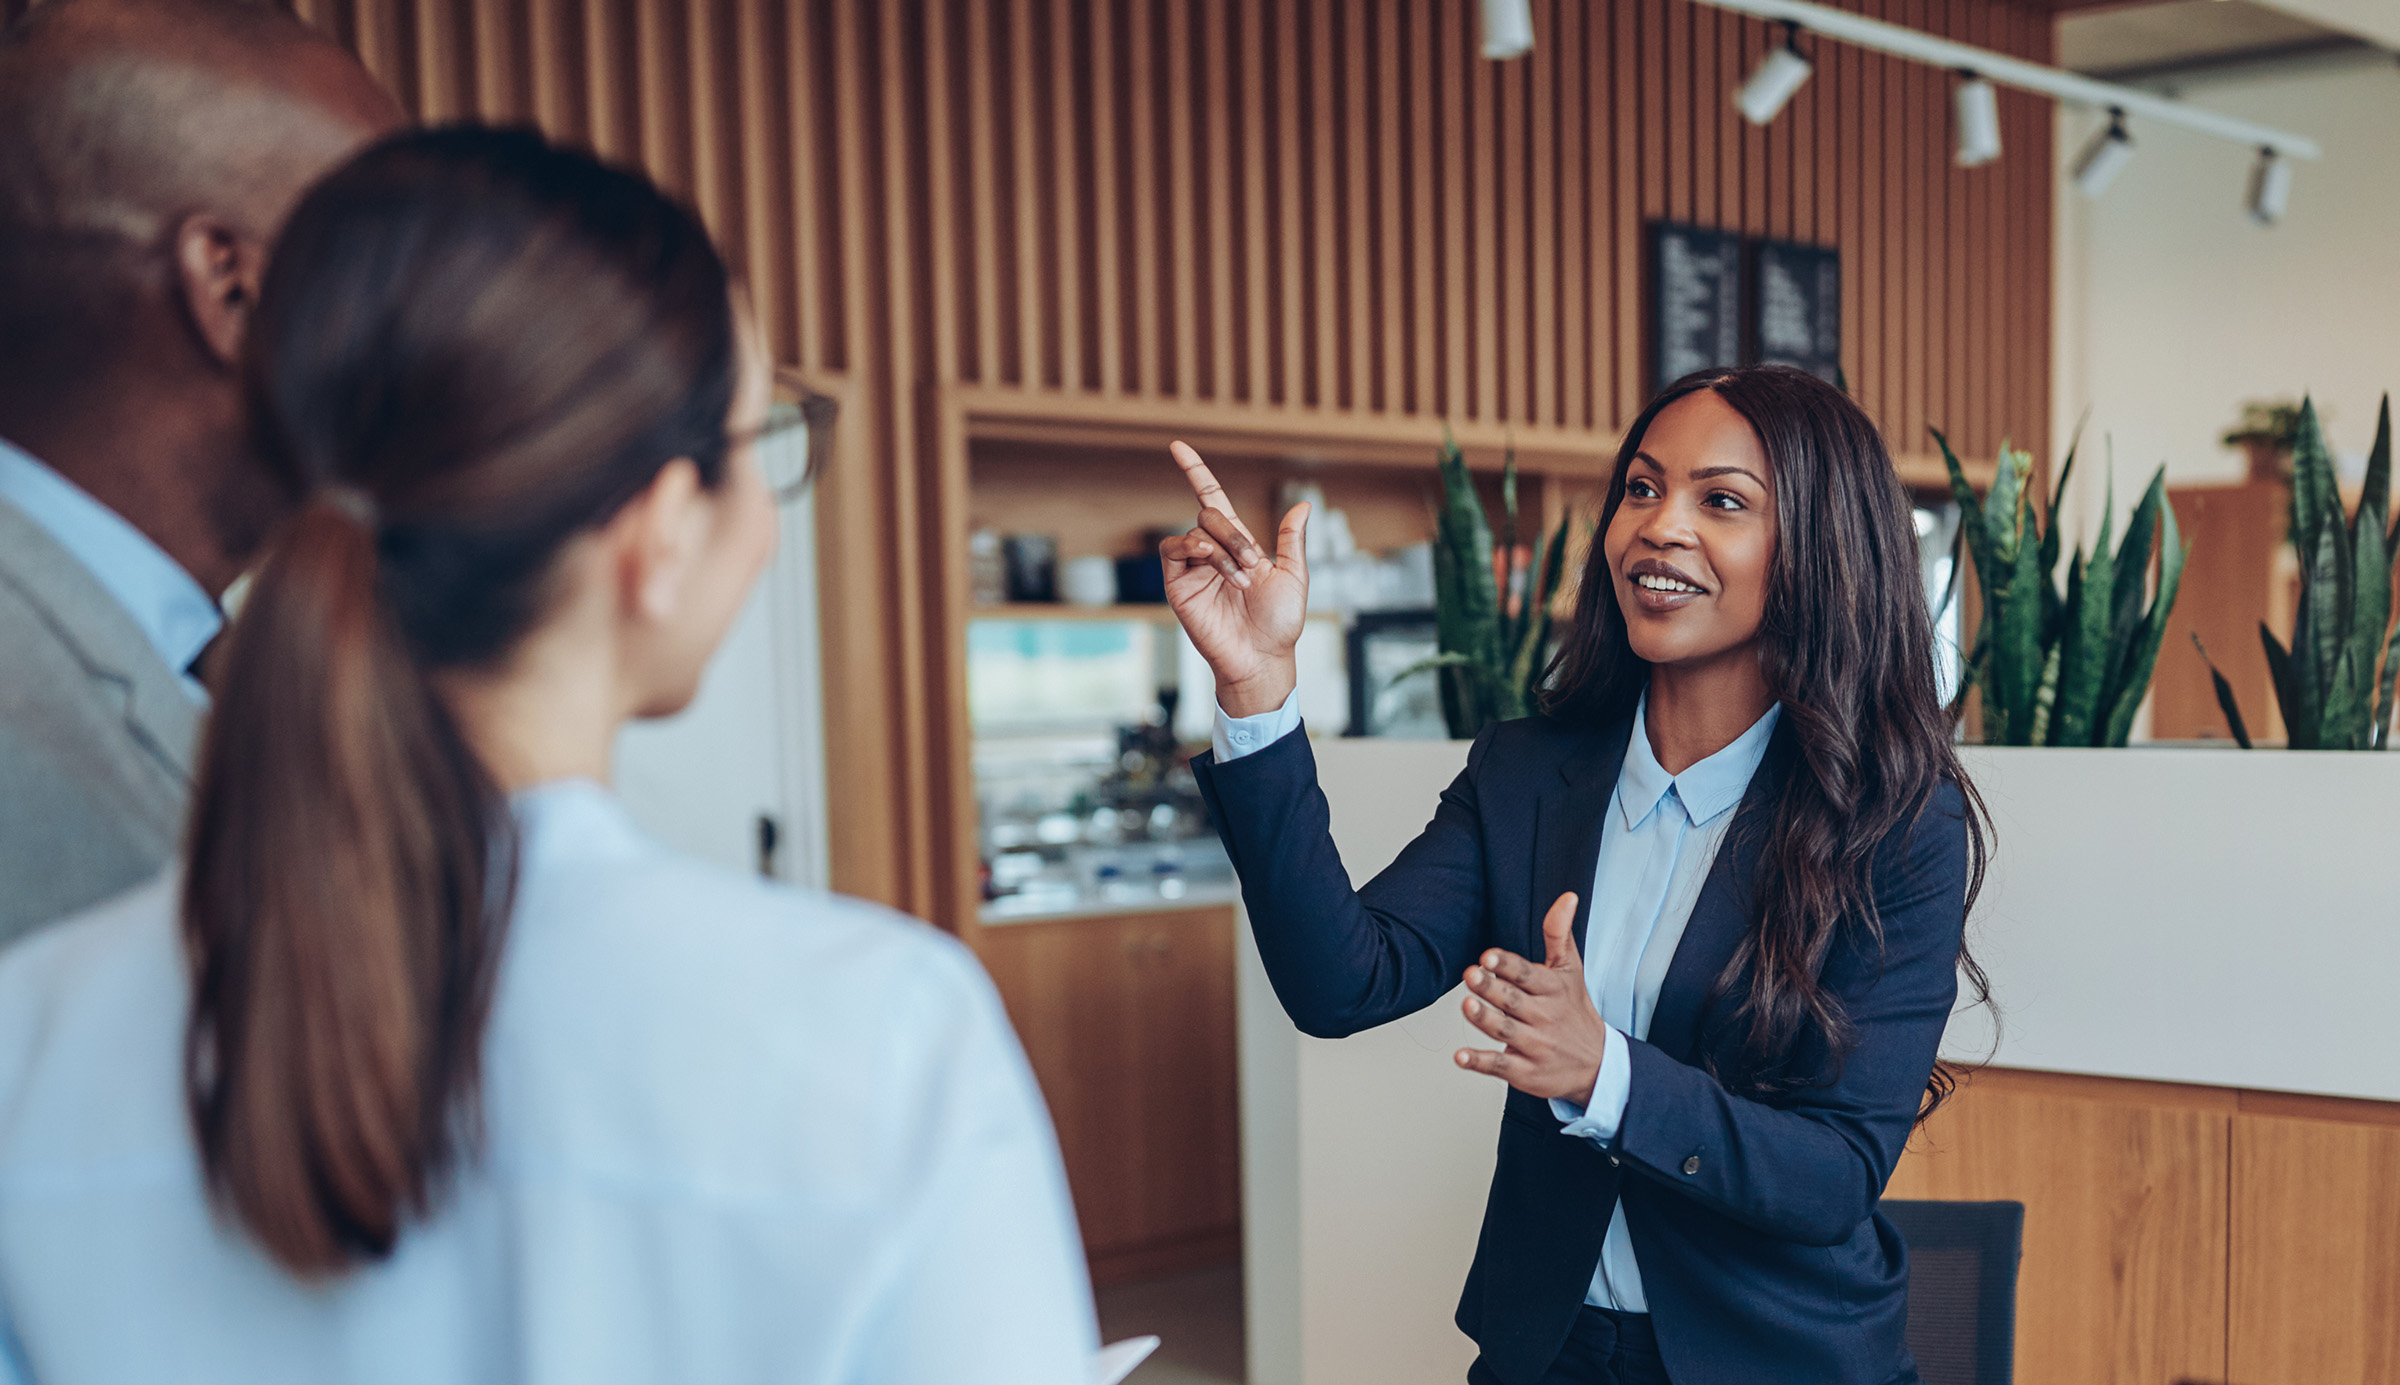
1827 22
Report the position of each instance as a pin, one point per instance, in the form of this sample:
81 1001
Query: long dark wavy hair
1847 645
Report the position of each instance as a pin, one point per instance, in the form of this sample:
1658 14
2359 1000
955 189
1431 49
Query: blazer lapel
161 722
1566 835
1721 916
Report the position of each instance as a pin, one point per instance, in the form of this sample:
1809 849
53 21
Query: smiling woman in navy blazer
1740 803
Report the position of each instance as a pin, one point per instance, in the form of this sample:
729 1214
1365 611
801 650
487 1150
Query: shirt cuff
1233 737
1597 1119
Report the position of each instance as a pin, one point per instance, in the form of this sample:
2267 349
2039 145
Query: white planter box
2225 917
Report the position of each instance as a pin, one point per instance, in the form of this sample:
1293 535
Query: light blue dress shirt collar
1706 790
174 612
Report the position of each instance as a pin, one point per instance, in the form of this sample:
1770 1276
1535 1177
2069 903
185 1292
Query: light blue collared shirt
1657 843
174 612
1656 847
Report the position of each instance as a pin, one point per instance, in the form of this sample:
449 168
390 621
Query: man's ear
217 271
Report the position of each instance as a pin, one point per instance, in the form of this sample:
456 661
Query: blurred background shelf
1067 610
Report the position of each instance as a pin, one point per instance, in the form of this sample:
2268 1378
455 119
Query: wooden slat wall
1272 209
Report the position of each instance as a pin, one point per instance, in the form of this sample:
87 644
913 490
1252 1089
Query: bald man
149 151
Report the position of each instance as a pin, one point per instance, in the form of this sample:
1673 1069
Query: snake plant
2335 683
1491 648
2064 669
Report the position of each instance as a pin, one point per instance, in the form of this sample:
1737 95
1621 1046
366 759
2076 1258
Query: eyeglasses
796 434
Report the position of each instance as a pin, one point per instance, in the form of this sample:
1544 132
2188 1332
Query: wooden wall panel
2125 1187
2315 1294
1128 1023
1291 217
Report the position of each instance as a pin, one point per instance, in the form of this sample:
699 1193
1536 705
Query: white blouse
734 1132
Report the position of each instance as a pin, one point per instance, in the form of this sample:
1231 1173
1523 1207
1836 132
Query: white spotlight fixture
1779 74
2270 187
1978 108
2105 157
1507 29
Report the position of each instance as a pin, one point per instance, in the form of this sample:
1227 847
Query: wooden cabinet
2181 1234
2124 1186
2316 1245
1128 1021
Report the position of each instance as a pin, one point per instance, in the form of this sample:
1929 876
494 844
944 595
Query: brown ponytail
471 346
344 845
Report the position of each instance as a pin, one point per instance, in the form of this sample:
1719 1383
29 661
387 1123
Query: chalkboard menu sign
1695 301
1798 294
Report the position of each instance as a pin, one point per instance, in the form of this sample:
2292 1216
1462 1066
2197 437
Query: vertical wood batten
1069 194
1391 295
1355 281
1324 263
1290 251
1258 347
1540 118
1181 208
1222 253
1108 237
1452 320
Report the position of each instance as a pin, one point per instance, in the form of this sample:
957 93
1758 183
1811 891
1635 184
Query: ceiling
2135 41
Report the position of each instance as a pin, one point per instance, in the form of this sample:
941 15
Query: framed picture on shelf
1384 646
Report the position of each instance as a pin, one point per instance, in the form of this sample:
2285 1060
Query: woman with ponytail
428 1066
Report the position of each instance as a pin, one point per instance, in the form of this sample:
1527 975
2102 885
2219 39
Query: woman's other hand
1242 608
1544 1014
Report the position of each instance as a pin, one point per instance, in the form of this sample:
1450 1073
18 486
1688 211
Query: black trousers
1605 1348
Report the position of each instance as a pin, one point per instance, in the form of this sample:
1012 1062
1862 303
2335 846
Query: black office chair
1962 1288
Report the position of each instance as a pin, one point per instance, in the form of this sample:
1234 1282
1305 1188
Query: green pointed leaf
1972 525
2142 659
2326 595
2004 515
2375 497
2226 701
2316 495
1555 571
2342 719
2299 716
2370 617
1467 608
2051 534
2130 584
2383 700
2045 701
2017 655
2084 649
2058 493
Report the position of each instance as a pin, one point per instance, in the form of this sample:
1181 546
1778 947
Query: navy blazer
1762 1254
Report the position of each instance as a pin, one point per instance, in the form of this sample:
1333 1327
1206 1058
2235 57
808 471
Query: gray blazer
97 737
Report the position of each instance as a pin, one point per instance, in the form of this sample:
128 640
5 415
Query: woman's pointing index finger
1204 485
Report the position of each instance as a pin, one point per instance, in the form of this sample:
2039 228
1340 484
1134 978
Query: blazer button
1612 1161
1692 1165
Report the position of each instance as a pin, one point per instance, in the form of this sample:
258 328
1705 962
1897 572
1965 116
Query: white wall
752 743
2174 307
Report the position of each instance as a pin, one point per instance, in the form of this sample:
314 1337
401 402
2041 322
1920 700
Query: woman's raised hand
1242 608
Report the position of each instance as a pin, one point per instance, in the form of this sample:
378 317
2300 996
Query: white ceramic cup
1088 581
